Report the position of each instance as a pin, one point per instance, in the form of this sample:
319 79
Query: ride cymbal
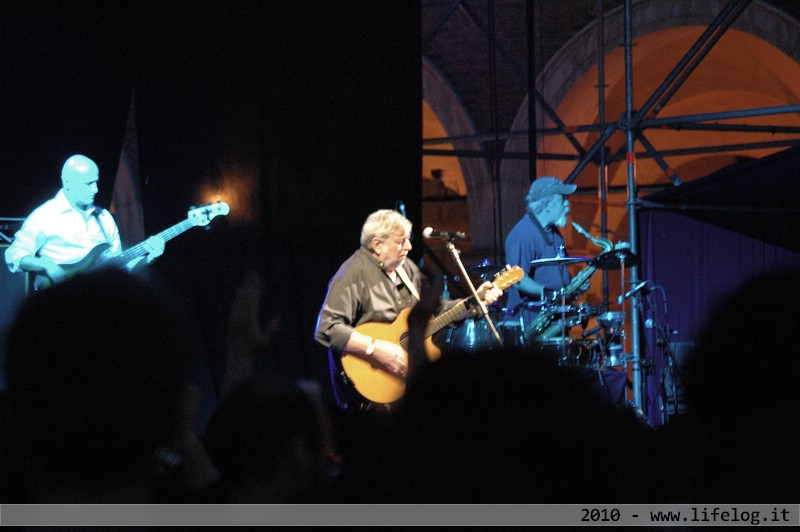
615 259
555 261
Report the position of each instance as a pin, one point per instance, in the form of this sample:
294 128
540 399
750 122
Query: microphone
401 208
639 288
430 232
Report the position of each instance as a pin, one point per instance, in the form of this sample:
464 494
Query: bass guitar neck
96 258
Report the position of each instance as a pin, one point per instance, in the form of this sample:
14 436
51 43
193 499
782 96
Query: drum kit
597 347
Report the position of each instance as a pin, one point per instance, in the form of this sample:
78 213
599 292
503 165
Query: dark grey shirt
361 292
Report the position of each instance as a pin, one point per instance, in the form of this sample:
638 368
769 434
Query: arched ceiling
457 39
483 57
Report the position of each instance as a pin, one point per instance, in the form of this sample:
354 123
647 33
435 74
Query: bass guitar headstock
201 216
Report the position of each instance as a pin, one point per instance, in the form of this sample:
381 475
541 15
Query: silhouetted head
96 368
742 390
268 439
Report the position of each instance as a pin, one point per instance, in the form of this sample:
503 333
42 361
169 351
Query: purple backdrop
692 264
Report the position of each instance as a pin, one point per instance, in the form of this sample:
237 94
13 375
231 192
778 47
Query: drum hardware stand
484 311
638 364
617 340
674 374
563 328
621 330
563 302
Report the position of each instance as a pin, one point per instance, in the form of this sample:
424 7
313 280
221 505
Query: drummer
536 236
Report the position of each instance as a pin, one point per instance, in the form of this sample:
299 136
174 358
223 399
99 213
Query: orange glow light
238 189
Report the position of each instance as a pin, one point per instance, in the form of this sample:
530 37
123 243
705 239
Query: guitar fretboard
140 249
441 321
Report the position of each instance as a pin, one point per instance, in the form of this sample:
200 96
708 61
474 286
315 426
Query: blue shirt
529 241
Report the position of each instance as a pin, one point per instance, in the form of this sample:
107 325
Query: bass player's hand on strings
155 247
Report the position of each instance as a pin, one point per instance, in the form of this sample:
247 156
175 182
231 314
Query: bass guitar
94 260
380 386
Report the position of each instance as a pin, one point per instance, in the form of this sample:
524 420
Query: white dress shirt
58 231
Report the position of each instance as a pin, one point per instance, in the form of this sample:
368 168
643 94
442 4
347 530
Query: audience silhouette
738 440
271 440
97 390
100 409
503 427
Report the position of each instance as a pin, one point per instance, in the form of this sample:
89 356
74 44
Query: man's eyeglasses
400 241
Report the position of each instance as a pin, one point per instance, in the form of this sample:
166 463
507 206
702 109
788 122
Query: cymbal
485 268
555 261
614 259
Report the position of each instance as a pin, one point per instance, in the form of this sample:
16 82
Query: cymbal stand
621 331
484 312
563 327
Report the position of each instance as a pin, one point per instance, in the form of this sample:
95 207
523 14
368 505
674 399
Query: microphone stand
485 313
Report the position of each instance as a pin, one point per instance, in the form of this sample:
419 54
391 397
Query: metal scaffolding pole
636 355
532 148
528 80
602 173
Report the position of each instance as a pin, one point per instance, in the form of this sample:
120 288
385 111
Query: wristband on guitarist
370 348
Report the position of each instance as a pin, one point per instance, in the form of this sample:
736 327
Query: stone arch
763 39
445 102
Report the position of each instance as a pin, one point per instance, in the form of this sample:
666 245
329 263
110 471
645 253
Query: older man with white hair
374 286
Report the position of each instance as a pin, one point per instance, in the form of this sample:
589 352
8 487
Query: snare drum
571 352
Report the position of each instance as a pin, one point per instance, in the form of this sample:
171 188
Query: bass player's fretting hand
155 247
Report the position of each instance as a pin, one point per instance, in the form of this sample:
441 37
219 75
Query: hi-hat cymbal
615 259
555 261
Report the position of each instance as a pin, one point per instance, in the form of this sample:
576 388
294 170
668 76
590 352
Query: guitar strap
96 215
406 281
